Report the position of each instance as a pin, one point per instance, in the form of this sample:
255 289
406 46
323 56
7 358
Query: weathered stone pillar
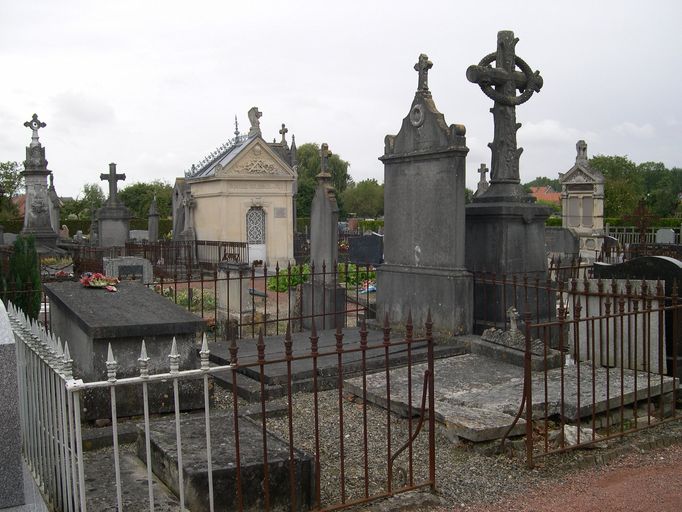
424 185
11 471
153 222
324 294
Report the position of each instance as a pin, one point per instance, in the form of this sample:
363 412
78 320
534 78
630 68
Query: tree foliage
138 196
90 198
542 181
21 284
364 199
308 157
12 183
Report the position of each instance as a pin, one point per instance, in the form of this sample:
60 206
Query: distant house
546 194
20 202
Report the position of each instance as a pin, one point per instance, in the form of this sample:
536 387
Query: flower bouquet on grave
368 286
97 280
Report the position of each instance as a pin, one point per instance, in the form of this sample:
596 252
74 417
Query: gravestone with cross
113 219
323 294
37 218
482 182
283 132
424 196
505 230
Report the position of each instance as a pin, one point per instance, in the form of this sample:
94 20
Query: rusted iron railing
50 403
607 365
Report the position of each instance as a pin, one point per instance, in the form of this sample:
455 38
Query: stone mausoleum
242 192
582 202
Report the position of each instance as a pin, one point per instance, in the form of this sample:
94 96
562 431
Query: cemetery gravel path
637 482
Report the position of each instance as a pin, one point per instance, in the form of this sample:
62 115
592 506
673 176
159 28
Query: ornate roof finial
236 127
283 133
254 116
34 124
422 67
581 149
324 162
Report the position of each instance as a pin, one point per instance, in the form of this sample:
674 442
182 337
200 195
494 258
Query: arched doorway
255 234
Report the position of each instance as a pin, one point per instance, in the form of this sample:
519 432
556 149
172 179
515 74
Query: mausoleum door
255 234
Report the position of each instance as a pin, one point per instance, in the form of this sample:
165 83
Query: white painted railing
50 413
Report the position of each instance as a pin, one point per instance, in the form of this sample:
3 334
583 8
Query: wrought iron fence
238 301
600 363
50 403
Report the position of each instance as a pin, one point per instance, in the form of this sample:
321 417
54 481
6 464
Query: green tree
138 196
12 184
365 199
624 184
22 285
90 198
308 157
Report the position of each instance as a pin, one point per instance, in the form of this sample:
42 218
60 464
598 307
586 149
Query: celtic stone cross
422 67
112 178
500 84
283 133
34 124
482 170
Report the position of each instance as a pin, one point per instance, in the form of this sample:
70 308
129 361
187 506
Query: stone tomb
90 318
633 343
129 267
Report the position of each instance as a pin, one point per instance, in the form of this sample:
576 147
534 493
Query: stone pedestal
11 470
233 290
424 185
506 239
90 318
324 302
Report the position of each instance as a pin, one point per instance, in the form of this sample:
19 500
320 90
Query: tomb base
506 240
325 303
447 293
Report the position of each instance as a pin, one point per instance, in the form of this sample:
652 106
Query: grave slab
89 319
477 397
195 467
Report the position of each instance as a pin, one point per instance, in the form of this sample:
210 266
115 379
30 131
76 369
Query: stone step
195 466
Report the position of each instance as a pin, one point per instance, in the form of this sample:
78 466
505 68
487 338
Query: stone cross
325 154
500 84
422 67
112 178
482 182
283 133
34 124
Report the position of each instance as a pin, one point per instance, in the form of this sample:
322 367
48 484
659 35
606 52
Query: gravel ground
467 479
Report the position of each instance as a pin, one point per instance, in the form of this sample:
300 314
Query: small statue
254 116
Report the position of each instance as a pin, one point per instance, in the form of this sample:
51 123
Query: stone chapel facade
242 192
582 202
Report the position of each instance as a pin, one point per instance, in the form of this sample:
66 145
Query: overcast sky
154 86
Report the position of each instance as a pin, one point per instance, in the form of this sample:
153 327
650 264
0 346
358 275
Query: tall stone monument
113 219
582 202
323 294
424 195
505 230
153 222
37 219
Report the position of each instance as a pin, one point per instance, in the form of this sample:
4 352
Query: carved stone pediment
577 175
256 161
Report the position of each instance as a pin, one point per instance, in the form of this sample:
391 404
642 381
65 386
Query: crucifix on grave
482 182
422 67
325 154
642 219
34 124
113 179
500 85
